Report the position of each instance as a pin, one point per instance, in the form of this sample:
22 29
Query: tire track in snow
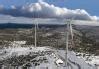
64 60
79 67
70 62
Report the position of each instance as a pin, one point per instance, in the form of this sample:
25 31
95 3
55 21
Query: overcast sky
70 9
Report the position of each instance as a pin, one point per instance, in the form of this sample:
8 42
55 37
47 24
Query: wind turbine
71 30
35 35
36 27
68 32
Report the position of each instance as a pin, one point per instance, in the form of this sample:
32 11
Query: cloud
44 10
24 20
1 7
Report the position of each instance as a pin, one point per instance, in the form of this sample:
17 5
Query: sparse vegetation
51 37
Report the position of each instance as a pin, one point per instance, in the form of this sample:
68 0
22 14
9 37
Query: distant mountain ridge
16 25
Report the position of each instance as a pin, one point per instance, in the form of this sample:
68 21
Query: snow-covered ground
54 59
72 58
12 51
89 58
49 54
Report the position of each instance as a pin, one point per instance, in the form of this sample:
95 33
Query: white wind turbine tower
35 35
36 26
68 32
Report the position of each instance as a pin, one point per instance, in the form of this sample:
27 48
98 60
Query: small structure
59 62
18 43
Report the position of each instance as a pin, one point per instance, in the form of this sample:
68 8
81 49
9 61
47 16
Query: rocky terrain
85 37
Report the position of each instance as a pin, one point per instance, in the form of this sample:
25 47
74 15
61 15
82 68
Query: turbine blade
71 31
